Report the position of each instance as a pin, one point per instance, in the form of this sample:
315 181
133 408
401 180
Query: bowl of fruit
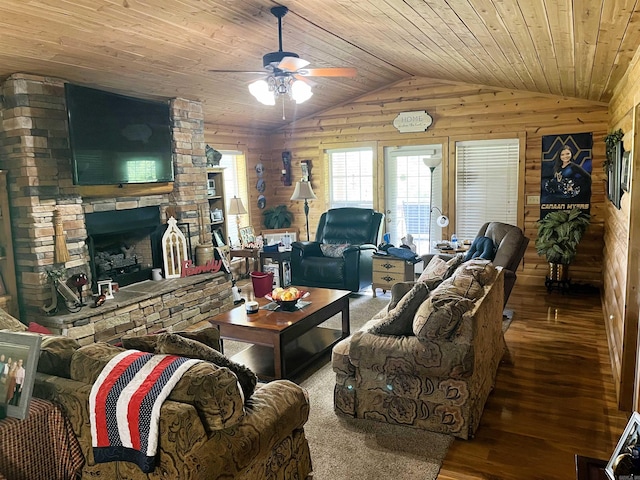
287 298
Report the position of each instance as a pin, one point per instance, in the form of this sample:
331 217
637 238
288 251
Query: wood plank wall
620 271
460 111
254 145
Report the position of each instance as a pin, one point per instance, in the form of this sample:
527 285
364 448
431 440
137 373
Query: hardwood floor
553 400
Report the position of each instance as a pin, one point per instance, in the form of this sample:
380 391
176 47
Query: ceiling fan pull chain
282 97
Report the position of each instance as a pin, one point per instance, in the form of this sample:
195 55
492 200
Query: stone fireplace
103 230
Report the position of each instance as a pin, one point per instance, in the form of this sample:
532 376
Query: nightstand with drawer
388 270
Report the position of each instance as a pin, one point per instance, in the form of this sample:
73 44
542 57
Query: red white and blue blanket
125 405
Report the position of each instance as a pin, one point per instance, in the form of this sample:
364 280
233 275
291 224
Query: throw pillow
174 344
55 355
462 283
7 322
399 290
209 335
37 328
334 250
439 317
399 321
438 270
482 270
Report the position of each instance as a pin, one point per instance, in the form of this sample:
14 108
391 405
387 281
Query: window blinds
486 184
351 177
235 185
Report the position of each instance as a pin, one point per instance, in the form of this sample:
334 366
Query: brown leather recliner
510 244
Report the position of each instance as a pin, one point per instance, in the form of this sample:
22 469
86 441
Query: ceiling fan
286 72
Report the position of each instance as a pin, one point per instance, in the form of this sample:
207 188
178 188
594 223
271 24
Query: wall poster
566 172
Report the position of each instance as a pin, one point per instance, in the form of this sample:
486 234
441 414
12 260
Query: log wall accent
460 111
256 150
621 305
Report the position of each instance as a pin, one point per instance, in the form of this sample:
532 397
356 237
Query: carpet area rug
344 448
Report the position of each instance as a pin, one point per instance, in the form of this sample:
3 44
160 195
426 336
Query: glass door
411 191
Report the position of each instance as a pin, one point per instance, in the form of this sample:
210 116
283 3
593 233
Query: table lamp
304 192
237 208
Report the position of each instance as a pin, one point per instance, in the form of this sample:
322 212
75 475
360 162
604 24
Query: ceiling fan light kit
266 91
284 71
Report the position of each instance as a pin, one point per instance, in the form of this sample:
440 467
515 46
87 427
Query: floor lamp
304 192
237 208
432 162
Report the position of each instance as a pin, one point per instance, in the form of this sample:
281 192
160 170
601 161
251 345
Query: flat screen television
117 139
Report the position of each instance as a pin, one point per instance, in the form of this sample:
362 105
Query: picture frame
216 215
630 437
305 165
614 167
247 235
218 238
211 187
625 173
24 349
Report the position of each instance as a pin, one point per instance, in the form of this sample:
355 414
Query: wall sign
417 121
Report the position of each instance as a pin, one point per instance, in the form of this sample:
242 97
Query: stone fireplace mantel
146 307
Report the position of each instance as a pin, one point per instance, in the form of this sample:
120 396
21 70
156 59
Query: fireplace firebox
124 245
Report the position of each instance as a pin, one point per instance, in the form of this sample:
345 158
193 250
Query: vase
204 253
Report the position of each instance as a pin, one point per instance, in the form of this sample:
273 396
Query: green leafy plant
559 234
55 274
277 217
611 140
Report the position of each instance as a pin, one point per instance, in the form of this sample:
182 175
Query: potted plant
277 217
558 236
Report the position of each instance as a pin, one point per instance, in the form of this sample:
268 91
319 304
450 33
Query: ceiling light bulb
260 90
300 91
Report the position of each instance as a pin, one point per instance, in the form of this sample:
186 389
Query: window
351 177
235 184
486 184
408 195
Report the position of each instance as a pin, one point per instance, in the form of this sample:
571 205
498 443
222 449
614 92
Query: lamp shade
442 221
303 191
300 91
260 90
236 207
432 161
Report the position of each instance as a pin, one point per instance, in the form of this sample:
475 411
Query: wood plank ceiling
167 48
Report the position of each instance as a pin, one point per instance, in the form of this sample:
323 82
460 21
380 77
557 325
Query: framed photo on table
247 235
21 351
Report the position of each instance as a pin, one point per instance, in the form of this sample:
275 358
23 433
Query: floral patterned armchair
438 375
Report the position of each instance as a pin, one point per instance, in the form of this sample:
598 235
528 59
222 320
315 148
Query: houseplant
559 234
277 217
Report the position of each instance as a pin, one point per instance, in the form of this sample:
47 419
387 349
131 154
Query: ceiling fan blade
239 71
311 83
328 72
292 64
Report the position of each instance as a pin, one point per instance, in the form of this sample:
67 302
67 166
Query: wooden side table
247 254
388 270
40 447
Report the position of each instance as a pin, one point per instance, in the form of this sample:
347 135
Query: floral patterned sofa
429 359
213 425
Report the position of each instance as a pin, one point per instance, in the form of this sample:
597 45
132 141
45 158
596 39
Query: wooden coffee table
286 342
